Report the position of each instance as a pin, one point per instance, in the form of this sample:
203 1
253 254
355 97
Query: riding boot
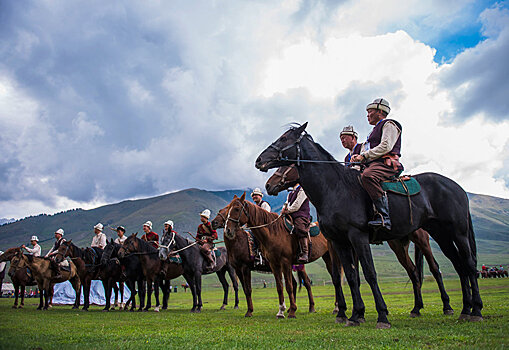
304 249
56 269
382 218
210 261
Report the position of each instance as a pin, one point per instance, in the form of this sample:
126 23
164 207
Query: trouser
206 250
372 177
301 227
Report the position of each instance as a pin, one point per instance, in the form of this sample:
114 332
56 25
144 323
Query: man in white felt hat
205 236
381 156
99 240
348 137
257 196
121 235
150 236
168 227
59 239
36 250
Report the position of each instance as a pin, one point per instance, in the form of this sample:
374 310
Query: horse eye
283 138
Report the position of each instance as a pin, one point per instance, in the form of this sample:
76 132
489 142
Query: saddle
403 185
314 229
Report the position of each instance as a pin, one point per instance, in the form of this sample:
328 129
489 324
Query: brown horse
42 273
154 270
240 258
287 176
276 244
19 277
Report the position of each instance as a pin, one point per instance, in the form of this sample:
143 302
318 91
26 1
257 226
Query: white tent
7 287
64 294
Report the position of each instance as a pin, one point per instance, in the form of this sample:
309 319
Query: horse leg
148 305
115 290
166 293
41 297
421 239
400 248
22 303
221 274
244 274
287 273
142 290
86 294
335 270
197 278
156 293
190 281
235 285
16 295
107 291
307 285
345 254
276 270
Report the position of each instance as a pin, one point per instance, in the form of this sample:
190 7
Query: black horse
194 267
344 209
114 269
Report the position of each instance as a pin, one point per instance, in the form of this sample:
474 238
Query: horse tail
419 264
471 237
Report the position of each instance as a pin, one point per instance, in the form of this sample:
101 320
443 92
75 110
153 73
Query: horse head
282 179
131 245
9 254
236 217
108 251
220 218
64 250
287 146
167 244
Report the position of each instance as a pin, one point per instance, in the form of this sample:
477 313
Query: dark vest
375 137
262 203
58 243
304 208
356 150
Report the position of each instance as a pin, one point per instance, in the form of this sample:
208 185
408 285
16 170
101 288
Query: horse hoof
312 310
223 307
464 317
75 307
39 308
335 312
248 314
383 325
106 310
21 306
164 308
292 316
415 314
476 318
280 317
236 307
352 323
449 312
156 309
341 319
14 306
198 311
361 320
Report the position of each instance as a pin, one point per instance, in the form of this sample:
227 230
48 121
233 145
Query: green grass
61 327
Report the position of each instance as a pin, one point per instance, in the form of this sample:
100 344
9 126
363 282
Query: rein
237 221
171 252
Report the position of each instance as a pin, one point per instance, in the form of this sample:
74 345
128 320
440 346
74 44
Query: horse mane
261 216
145 247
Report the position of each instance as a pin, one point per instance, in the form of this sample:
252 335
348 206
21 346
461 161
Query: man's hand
357 158
23 246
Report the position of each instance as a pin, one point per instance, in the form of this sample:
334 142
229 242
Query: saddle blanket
405 185
217 252
314 229
176 259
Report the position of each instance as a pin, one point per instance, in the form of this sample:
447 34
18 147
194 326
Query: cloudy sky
105 101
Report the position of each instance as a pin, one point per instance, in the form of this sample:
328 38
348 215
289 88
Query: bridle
237 221
64 254
284 174
171 241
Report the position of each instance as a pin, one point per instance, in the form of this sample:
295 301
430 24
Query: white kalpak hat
99 227
60 231
148 224
169 222
205 213
380 104
34 238
257 191
348 130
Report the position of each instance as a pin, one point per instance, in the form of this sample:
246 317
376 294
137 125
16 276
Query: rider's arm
295 206
266 206
102 241
390 134
30 250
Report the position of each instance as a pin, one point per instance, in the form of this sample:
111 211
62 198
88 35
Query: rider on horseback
383 149
59 239
99 240
257 196
348 139
150 236
205 237
297 205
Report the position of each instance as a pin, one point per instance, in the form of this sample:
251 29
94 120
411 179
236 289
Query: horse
42 273
194 267
87 261
344 209
237 246
154 270
110 272
288 176
19 277
276 244
128 269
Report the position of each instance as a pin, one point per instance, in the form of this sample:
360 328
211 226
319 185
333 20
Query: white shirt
265 206
51 251
99 241
35 251
119 240
301 197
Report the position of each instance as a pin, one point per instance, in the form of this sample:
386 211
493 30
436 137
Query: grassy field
177 328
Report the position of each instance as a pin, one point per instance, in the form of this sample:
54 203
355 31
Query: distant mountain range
4 221
490 217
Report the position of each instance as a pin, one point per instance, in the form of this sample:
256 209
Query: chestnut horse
43 274
276 244
287 176
239 257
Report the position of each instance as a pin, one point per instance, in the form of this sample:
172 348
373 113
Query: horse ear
243 197
301 128
70 240
135 234
235 196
